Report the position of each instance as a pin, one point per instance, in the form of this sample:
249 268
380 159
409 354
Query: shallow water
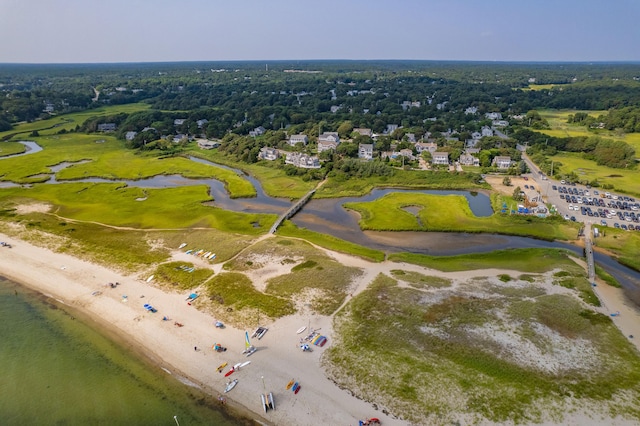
56 369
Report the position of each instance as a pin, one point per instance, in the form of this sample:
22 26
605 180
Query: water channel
328 216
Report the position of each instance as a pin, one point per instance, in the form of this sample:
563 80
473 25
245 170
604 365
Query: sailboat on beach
249 348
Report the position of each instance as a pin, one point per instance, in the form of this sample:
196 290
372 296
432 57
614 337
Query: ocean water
56 370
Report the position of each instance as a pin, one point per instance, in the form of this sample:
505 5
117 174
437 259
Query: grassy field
11 148
451 213
625 245
438 353
560 128
541 87
626 181
68 122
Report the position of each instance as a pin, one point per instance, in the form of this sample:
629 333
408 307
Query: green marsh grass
451 213
532 260
11 148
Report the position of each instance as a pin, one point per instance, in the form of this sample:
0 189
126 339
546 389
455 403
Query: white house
391 128
363 132
426 146
326 145
179 121
257 131
365 151
130 135
469 160
296 139
499 123
106 127
303 161
486 131
502 162
329 137
270 154
440 158
206 144
493 115
201 123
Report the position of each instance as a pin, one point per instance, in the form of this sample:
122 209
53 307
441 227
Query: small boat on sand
260 332
221 367
301 329
290 384
230 385
267 401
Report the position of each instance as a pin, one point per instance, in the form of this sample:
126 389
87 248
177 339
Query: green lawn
560 128
627 181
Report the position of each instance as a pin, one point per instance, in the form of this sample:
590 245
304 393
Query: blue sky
43 31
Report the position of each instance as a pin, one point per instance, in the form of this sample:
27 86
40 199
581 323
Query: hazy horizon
150 31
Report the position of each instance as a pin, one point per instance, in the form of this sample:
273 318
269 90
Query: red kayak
230 372
297 389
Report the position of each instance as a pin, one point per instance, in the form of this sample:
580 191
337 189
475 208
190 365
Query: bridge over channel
588 251
292 211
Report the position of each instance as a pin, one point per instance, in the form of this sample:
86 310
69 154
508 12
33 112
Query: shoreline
73 282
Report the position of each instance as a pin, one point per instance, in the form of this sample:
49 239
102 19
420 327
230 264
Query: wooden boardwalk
292 211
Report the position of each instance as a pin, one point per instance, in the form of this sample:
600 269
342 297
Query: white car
570 206
566 217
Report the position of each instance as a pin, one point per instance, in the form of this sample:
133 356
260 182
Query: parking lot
597 206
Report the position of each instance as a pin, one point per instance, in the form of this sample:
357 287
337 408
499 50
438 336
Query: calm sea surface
56 370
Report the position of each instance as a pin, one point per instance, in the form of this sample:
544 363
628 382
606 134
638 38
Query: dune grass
431 359
418 280
532 260
177 275
311 270
451 213
235 298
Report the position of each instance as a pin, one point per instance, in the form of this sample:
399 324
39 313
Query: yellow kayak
290 384
221 366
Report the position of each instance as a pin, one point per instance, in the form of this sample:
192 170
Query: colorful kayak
295 386
221 366
290 384
230 372
297 389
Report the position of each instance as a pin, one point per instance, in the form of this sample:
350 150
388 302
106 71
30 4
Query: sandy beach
187 351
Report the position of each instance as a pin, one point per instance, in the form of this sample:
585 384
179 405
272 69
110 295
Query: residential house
493 115
326 145
49 107
179 121
207 144
391 128
411 137
499 123
486 131
501 162
471 110
335 108
407 153
301 160
130 135
201 123
426 146
257 131
469 160
270 154
365 151
106 127
363 132
440 158
296 139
